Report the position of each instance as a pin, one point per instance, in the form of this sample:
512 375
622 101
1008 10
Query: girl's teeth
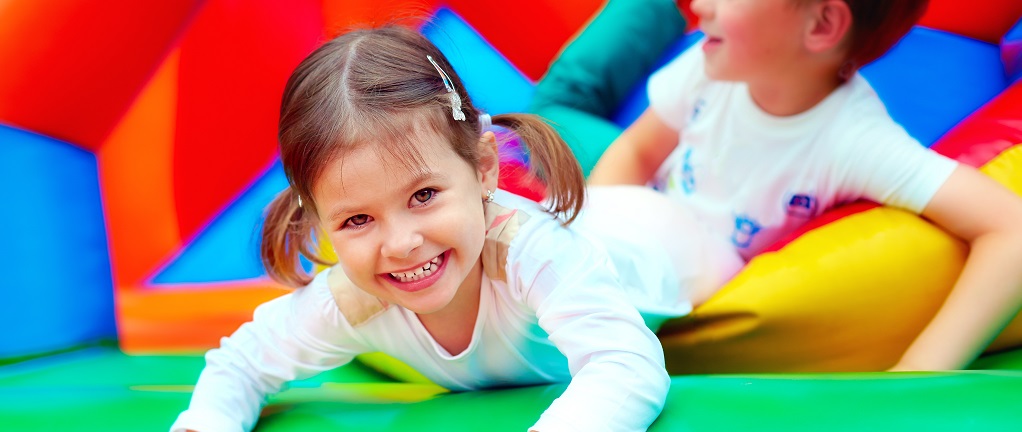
426 270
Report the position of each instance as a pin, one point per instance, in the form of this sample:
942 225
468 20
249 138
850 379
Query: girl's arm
635 156
287 339
618 381
988 293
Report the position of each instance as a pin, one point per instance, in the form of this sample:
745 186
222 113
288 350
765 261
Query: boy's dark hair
877 25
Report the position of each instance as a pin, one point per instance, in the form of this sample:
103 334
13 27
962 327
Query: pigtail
552 161
287 235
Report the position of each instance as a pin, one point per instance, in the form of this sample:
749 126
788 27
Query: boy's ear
831 22
489 161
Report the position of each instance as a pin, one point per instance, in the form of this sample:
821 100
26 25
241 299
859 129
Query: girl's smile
419 277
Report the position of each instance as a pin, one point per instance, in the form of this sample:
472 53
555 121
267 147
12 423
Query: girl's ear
830 23
489 161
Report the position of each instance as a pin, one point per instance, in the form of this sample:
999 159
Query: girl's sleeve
292 337
619 382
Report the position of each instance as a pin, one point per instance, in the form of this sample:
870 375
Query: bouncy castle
138 143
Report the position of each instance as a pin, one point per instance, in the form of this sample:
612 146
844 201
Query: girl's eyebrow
420 178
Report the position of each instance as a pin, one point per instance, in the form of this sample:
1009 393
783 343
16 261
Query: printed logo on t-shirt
688 179
801 205
697 108
662 185
746 229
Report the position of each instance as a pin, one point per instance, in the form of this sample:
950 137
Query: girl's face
408 237
747 40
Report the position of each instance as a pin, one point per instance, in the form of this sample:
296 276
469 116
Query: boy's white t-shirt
753 178
567 311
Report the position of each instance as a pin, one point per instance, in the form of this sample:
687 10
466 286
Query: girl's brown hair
374 87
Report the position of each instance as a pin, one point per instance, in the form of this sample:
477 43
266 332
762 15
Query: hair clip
455 99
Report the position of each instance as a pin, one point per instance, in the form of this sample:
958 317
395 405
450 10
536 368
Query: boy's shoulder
861 93
861 112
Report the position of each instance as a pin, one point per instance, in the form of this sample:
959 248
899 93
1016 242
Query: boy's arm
988 293
636 155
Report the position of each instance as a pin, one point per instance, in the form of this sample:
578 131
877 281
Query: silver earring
485 122
299 201
489 196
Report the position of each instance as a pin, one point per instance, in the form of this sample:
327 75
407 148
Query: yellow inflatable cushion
848 296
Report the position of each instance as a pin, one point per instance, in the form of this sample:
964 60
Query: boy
766 124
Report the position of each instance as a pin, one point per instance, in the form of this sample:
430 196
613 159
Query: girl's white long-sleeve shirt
555 306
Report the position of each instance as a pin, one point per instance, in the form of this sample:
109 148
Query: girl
472 286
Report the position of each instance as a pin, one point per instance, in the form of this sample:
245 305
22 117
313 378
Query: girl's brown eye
423 196
356 221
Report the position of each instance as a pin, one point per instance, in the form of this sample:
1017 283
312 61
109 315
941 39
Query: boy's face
411 237
751 40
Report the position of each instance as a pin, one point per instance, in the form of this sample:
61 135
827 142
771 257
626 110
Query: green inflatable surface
103 389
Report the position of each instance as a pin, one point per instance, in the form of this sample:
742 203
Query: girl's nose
401 239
